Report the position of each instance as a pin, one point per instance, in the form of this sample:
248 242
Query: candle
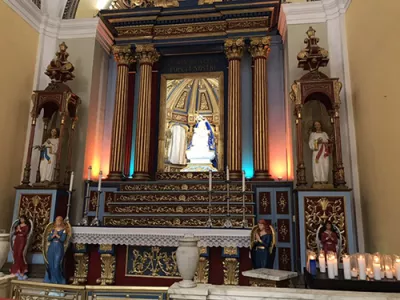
354 272
370 273
89 173
243 182
227 173
388 272
361 267
346 267
397 268
209 180
322 265
376 266
71 181
336 269
331 267
313 266
100 177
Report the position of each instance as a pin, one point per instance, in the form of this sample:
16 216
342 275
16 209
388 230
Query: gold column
259 49
146 55
234 51
123 57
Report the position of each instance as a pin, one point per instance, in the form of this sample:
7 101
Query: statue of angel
20 237
56 239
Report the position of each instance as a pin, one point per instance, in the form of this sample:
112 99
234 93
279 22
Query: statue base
199 167
322 186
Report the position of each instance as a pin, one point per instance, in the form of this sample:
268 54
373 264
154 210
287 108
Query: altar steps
175 203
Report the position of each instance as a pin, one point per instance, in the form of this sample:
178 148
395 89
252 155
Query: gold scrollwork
81 268
165 197
192 28
264 201
202 272
106 247
107 270
185 175
282 202
231 271
235 187
134 31
80 247
171 209
230 251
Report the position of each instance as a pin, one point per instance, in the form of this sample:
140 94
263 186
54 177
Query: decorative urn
187 258
4 248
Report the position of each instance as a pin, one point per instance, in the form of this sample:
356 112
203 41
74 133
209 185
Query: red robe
329 240
19 266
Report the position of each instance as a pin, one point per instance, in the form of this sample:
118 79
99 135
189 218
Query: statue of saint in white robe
48 157
318 143
177 148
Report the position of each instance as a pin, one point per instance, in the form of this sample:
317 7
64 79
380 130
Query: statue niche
316 99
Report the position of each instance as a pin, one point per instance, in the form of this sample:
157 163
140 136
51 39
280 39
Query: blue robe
260 253
55 256
211 143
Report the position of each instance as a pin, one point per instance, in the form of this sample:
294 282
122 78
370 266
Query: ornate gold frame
162 118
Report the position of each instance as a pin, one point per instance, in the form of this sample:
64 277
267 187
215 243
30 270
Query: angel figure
263 245
21 232
55 243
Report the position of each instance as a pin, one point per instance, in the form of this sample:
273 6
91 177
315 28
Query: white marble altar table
162 237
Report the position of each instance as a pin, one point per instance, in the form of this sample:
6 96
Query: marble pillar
123 57
259 49
146 55
234 52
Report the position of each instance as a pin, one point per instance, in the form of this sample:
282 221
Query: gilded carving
231 271
171 209
185 175
107 269
260 47
192 28
169 197
202 272
135 31
234 48
123 55
181 187
123 4
230 251
146 54
248 23
106 248
202 2
81 268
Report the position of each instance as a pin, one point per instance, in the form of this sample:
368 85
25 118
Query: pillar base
141 176
115 176
235 175
262 175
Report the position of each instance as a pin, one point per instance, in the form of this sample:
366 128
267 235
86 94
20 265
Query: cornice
28 11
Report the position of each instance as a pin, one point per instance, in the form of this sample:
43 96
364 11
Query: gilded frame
162 116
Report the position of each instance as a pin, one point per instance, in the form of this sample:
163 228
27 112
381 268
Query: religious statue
21 232
55 243
48 156
202 150
329 238
60 69
263 246
177 146
320 145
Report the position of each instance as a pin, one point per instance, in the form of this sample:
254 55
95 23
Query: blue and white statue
201 153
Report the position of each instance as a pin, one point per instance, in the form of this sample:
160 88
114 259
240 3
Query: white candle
331 267
209 180
397 268
71 181
243 182
376 266
354 272
100 177
227 173
388 272
89 173
370 273
361 267
346 267
322 265
336 270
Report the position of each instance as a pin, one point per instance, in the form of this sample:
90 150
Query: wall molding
28 11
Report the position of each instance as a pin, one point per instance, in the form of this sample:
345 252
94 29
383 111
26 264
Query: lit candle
227 173
346 267
336 269
370 273
89 173
100 177
354 272
388 272
376 266
322 265
331 266
71 181
313 265
209 180
397 268
361 267
243 182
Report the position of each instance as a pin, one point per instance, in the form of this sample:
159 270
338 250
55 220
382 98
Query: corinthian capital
123 55
234 48
260 47
146 54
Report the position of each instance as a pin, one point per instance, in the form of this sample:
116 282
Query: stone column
146 56
234 51
259 49
123 57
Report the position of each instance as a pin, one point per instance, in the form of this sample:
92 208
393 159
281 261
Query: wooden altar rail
25 290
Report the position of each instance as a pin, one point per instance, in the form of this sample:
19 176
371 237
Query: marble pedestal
5 285
270 277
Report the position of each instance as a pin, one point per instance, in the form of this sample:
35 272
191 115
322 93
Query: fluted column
123 57
146 56
259 49
234 51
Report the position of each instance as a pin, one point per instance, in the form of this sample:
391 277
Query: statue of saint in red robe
329 239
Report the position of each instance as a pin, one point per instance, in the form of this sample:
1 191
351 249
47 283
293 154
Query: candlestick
66 219
89 175
243 182
361 267
227 223
209 180
209 221
85 220
96 221
331 267
322 264
71 181
100 178
346 267
227 173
